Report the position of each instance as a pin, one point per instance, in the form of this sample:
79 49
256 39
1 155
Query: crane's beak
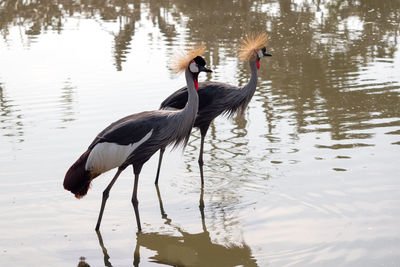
202 68
265 54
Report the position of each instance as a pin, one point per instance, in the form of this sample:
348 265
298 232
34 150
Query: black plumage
214 99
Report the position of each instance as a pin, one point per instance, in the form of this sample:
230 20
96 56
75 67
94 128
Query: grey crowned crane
220 98
134 139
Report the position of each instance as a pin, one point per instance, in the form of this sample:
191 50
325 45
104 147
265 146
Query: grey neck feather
249 89
184 119
192 105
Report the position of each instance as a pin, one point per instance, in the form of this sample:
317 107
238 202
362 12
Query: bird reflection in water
187 249
83 263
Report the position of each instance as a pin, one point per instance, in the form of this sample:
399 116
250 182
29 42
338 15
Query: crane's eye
193 67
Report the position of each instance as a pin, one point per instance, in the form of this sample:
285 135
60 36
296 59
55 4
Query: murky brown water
310 176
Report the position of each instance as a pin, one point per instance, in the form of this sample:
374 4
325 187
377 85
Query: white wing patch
106 156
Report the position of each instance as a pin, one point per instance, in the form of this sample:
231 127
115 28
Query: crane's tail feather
77 180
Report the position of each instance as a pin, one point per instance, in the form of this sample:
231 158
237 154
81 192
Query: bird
217 98
133 139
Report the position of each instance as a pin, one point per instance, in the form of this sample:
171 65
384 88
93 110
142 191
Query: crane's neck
192 105
249 89
181 122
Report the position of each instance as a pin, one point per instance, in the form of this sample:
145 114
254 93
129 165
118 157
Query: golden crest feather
251 44
181 62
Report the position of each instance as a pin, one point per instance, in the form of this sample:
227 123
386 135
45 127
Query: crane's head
253 48
197 65
192 61
262 53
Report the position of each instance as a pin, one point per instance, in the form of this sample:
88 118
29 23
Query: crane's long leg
203 132
159 164
106 193
201 163
135 201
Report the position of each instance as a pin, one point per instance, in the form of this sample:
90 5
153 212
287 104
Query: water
309 177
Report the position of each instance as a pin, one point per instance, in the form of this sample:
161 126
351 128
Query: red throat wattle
196 84
258 64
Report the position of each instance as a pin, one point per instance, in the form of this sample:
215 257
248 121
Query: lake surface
309 177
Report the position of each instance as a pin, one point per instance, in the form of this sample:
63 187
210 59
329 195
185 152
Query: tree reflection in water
320 49
10 118
187 249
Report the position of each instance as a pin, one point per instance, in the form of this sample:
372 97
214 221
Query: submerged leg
163 214
201 207
136 253
106 193
135 201
159 164
203 132
103 248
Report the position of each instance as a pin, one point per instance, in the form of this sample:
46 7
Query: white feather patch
106 156
260 53
193 67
